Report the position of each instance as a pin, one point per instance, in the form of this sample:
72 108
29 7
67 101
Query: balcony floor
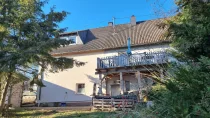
143 68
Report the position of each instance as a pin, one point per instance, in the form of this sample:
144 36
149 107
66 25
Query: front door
115 90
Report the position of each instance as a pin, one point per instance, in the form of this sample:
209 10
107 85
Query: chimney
133 20
110 23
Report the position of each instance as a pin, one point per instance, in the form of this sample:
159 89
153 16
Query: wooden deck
136 59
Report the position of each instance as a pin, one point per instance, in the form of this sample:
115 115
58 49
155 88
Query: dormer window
72 38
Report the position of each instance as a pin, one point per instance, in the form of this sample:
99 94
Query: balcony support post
121 84
100 85
139 84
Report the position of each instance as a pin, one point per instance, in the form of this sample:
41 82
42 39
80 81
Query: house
107 65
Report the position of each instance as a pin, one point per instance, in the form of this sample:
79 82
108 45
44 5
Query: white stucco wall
62 86
57 84
140 49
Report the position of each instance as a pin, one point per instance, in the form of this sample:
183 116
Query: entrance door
115 90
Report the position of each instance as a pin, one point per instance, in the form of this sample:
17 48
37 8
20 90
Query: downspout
40 88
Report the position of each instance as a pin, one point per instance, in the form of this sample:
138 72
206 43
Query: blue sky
85 14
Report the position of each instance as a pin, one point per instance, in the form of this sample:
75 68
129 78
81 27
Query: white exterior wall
78 40
140 49
62 86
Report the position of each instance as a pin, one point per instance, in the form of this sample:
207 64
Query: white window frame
77 84
69 37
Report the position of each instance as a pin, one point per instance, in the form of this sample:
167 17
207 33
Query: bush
186 93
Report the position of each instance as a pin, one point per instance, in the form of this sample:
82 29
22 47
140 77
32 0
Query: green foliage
186 94
190 28
36 81
16 77
157 91
28 35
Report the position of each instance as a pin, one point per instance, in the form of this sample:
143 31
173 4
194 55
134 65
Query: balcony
137 59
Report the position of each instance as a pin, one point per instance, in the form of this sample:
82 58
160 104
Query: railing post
102 104
108 62
112 104
98 62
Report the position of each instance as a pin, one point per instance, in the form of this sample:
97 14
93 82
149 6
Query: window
71 38
127 85
80 88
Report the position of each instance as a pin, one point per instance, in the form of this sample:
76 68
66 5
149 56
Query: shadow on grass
87 115
60 114
33 113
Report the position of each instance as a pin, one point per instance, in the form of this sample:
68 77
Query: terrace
137 59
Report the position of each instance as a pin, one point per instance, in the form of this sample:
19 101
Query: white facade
62 86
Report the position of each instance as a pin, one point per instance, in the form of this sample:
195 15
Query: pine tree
187 92
189 30
27 36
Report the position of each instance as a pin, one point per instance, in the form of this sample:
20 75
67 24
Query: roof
143 33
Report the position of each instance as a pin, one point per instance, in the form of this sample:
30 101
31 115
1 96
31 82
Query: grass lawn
61 114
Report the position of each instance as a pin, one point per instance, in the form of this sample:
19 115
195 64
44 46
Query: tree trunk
9 98
5 93
1 89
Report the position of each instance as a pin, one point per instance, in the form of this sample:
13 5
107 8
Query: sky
87 14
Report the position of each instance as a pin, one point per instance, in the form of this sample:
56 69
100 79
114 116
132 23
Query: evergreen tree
27 36
187 92
189 30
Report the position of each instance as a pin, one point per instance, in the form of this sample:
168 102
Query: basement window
80 88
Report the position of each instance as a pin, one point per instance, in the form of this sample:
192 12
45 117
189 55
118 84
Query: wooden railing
112 104
132 60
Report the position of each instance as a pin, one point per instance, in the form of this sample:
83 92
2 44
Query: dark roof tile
143 33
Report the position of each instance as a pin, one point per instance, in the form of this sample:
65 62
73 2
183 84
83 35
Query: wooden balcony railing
136 59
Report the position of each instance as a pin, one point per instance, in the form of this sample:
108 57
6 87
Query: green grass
61 114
